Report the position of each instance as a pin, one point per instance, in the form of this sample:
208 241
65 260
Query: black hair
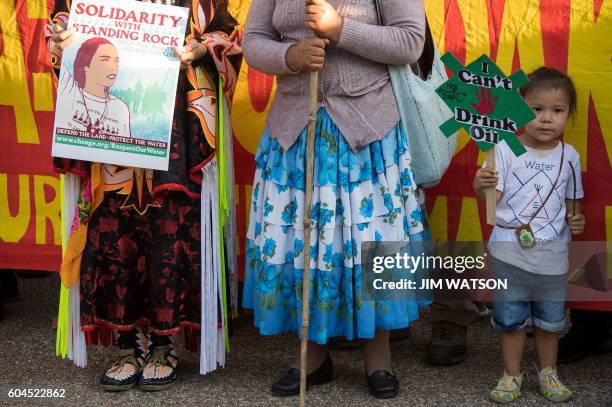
551 78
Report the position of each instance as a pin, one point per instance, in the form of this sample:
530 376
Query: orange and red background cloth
570 35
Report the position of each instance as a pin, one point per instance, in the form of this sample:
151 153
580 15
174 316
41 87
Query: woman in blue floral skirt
364 188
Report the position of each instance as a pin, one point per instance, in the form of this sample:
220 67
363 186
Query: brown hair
83 58
551 78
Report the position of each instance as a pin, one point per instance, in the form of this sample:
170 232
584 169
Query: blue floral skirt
358 197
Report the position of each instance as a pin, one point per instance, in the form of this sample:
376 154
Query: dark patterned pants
142 269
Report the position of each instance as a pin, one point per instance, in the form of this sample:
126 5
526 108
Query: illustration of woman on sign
94 109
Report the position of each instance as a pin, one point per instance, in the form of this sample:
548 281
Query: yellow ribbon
71 263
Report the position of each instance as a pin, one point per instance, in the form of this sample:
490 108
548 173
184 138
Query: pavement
28 361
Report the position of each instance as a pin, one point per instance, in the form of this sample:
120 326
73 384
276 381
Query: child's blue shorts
530 296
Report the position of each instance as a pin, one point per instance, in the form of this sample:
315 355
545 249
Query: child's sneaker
508 389
552 388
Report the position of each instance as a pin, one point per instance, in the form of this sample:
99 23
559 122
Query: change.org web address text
109 145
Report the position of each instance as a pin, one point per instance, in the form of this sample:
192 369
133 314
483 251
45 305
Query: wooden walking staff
310 135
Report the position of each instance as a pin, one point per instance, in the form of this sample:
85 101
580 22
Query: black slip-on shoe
289 384
383 384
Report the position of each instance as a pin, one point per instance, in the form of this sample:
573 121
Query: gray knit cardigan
354 85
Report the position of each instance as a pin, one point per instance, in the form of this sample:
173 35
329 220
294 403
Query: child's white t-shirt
525 182
107 116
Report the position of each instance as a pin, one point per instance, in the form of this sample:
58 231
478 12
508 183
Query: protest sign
115 96
488 106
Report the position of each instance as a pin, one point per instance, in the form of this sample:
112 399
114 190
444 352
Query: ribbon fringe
70 341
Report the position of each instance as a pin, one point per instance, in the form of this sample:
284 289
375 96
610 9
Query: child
538 205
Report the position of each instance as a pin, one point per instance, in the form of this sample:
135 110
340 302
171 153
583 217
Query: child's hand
576 223
485 178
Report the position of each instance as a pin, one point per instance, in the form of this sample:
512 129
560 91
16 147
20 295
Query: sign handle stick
491 193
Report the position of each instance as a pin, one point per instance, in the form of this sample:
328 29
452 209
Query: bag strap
379 12
574 183
423 66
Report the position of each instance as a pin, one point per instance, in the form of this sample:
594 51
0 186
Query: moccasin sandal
159 371
125 372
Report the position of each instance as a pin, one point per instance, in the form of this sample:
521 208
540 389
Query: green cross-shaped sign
485 103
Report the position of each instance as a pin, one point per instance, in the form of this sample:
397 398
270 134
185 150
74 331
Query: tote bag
422 112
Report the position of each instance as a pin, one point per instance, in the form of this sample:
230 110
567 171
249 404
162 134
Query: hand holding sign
191 52
61 38
491 111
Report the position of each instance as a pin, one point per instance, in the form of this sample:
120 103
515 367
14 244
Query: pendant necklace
94 127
